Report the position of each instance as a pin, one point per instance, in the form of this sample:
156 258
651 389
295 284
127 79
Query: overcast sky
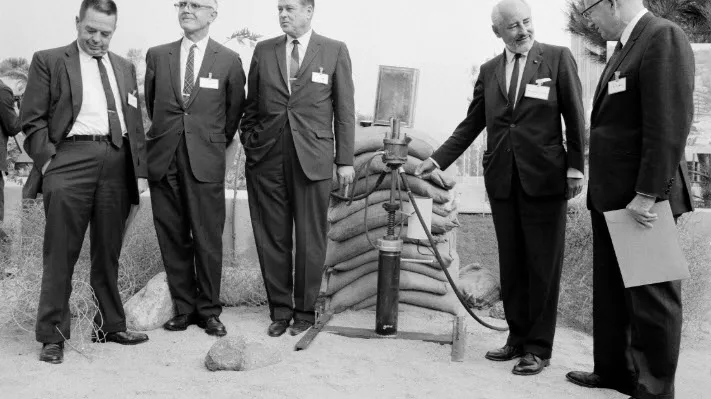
443 39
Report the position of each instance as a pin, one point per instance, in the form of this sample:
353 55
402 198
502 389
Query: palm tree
18 64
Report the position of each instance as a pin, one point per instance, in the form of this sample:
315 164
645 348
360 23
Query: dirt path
171 366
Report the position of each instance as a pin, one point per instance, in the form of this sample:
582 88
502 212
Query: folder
647 256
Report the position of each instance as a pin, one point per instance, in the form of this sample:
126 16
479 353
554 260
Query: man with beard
194 96
529 174
85 135
642 112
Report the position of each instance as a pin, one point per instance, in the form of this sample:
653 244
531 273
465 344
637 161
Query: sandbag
367 286
409 251
336 280
339 210
443 179
447 303
418 187
355 224
339 251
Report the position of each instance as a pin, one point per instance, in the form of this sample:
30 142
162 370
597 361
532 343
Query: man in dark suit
300 105
84 133
642 113
194 96
9 126
529 174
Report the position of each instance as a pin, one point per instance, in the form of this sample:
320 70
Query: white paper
539 92
207 83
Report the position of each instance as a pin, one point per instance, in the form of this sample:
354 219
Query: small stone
497 311
234 353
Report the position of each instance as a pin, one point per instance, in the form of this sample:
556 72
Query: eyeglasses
190 6
586 12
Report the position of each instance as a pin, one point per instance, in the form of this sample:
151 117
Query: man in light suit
529 174
85 135
642 113
194 96
299 106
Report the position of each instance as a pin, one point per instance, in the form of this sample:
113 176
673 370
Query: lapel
610 69
533 61
174 64
311 51
208 60
500 75
280 50
71 62
120 74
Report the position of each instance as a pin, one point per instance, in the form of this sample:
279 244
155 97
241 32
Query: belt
87 137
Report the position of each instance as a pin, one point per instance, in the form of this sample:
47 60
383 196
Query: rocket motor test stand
394 155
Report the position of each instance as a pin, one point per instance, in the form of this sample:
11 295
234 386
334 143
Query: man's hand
574 188
639 208
345 174
46 165
142 185
426 166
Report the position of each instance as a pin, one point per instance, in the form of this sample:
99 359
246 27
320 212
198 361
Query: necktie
294 61
114 122
513 85
189 81
606 72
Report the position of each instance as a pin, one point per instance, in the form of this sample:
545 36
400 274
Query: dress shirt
510 66
630 27
93 118
303 45
199 54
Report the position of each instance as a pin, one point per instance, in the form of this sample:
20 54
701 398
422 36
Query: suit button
513 125
508 150
289 107
187 114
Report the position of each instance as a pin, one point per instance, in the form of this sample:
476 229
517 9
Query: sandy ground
171 365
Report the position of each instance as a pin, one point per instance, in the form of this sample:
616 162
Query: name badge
618 85
536 91
209 83
319 77
132 100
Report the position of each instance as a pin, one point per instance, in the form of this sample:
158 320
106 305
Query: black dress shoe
592 380
213 326
52 353
504 354
179 322
278 328
119 337
299 326
530 364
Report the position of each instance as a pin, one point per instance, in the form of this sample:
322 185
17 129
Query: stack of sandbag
351 267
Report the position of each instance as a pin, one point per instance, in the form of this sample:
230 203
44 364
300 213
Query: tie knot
517 56
98 58
295 42
193 47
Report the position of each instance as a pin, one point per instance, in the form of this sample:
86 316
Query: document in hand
647 256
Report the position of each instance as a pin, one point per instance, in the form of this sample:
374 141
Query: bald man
642 113
531 169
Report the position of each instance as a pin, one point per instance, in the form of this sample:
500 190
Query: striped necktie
189 82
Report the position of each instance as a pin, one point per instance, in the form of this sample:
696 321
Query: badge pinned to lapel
132 99
538 91
618 85
319 77
209 82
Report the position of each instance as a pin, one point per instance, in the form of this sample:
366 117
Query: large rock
151 307
480 287
234 353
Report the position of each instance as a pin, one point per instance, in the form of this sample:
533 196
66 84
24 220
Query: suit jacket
210 118
317 113
530 137
52 102
9 122
637 137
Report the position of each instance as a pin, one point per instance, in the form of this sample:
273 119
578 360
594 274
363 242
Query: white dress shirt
93 118
199 55
509 70
303 45
630 27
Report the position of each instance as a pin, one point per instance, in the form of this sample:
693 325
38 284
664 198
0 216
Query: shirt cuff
575 174
434 162
647 195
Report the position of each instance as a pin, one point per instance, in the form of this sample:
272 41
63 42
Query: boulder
481 287
150 307
234 353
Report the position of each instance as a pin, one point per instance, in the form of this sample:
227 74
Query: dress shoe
119 337
530 364
52 353
503 354
592 380
213 326
179 322
278 328
299 326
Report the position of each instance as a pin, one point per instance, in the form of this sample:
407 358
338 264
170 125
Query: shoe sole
546 363
175 328
56 361
216 333
498 359
103 341
582 384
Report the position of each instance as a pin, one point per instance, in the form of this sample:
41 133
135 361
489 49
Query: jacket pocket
324 134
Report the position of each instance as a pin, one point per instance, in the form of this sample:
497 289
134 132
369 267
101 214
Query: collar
84 56
630 27
510 55
201 45
303 39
